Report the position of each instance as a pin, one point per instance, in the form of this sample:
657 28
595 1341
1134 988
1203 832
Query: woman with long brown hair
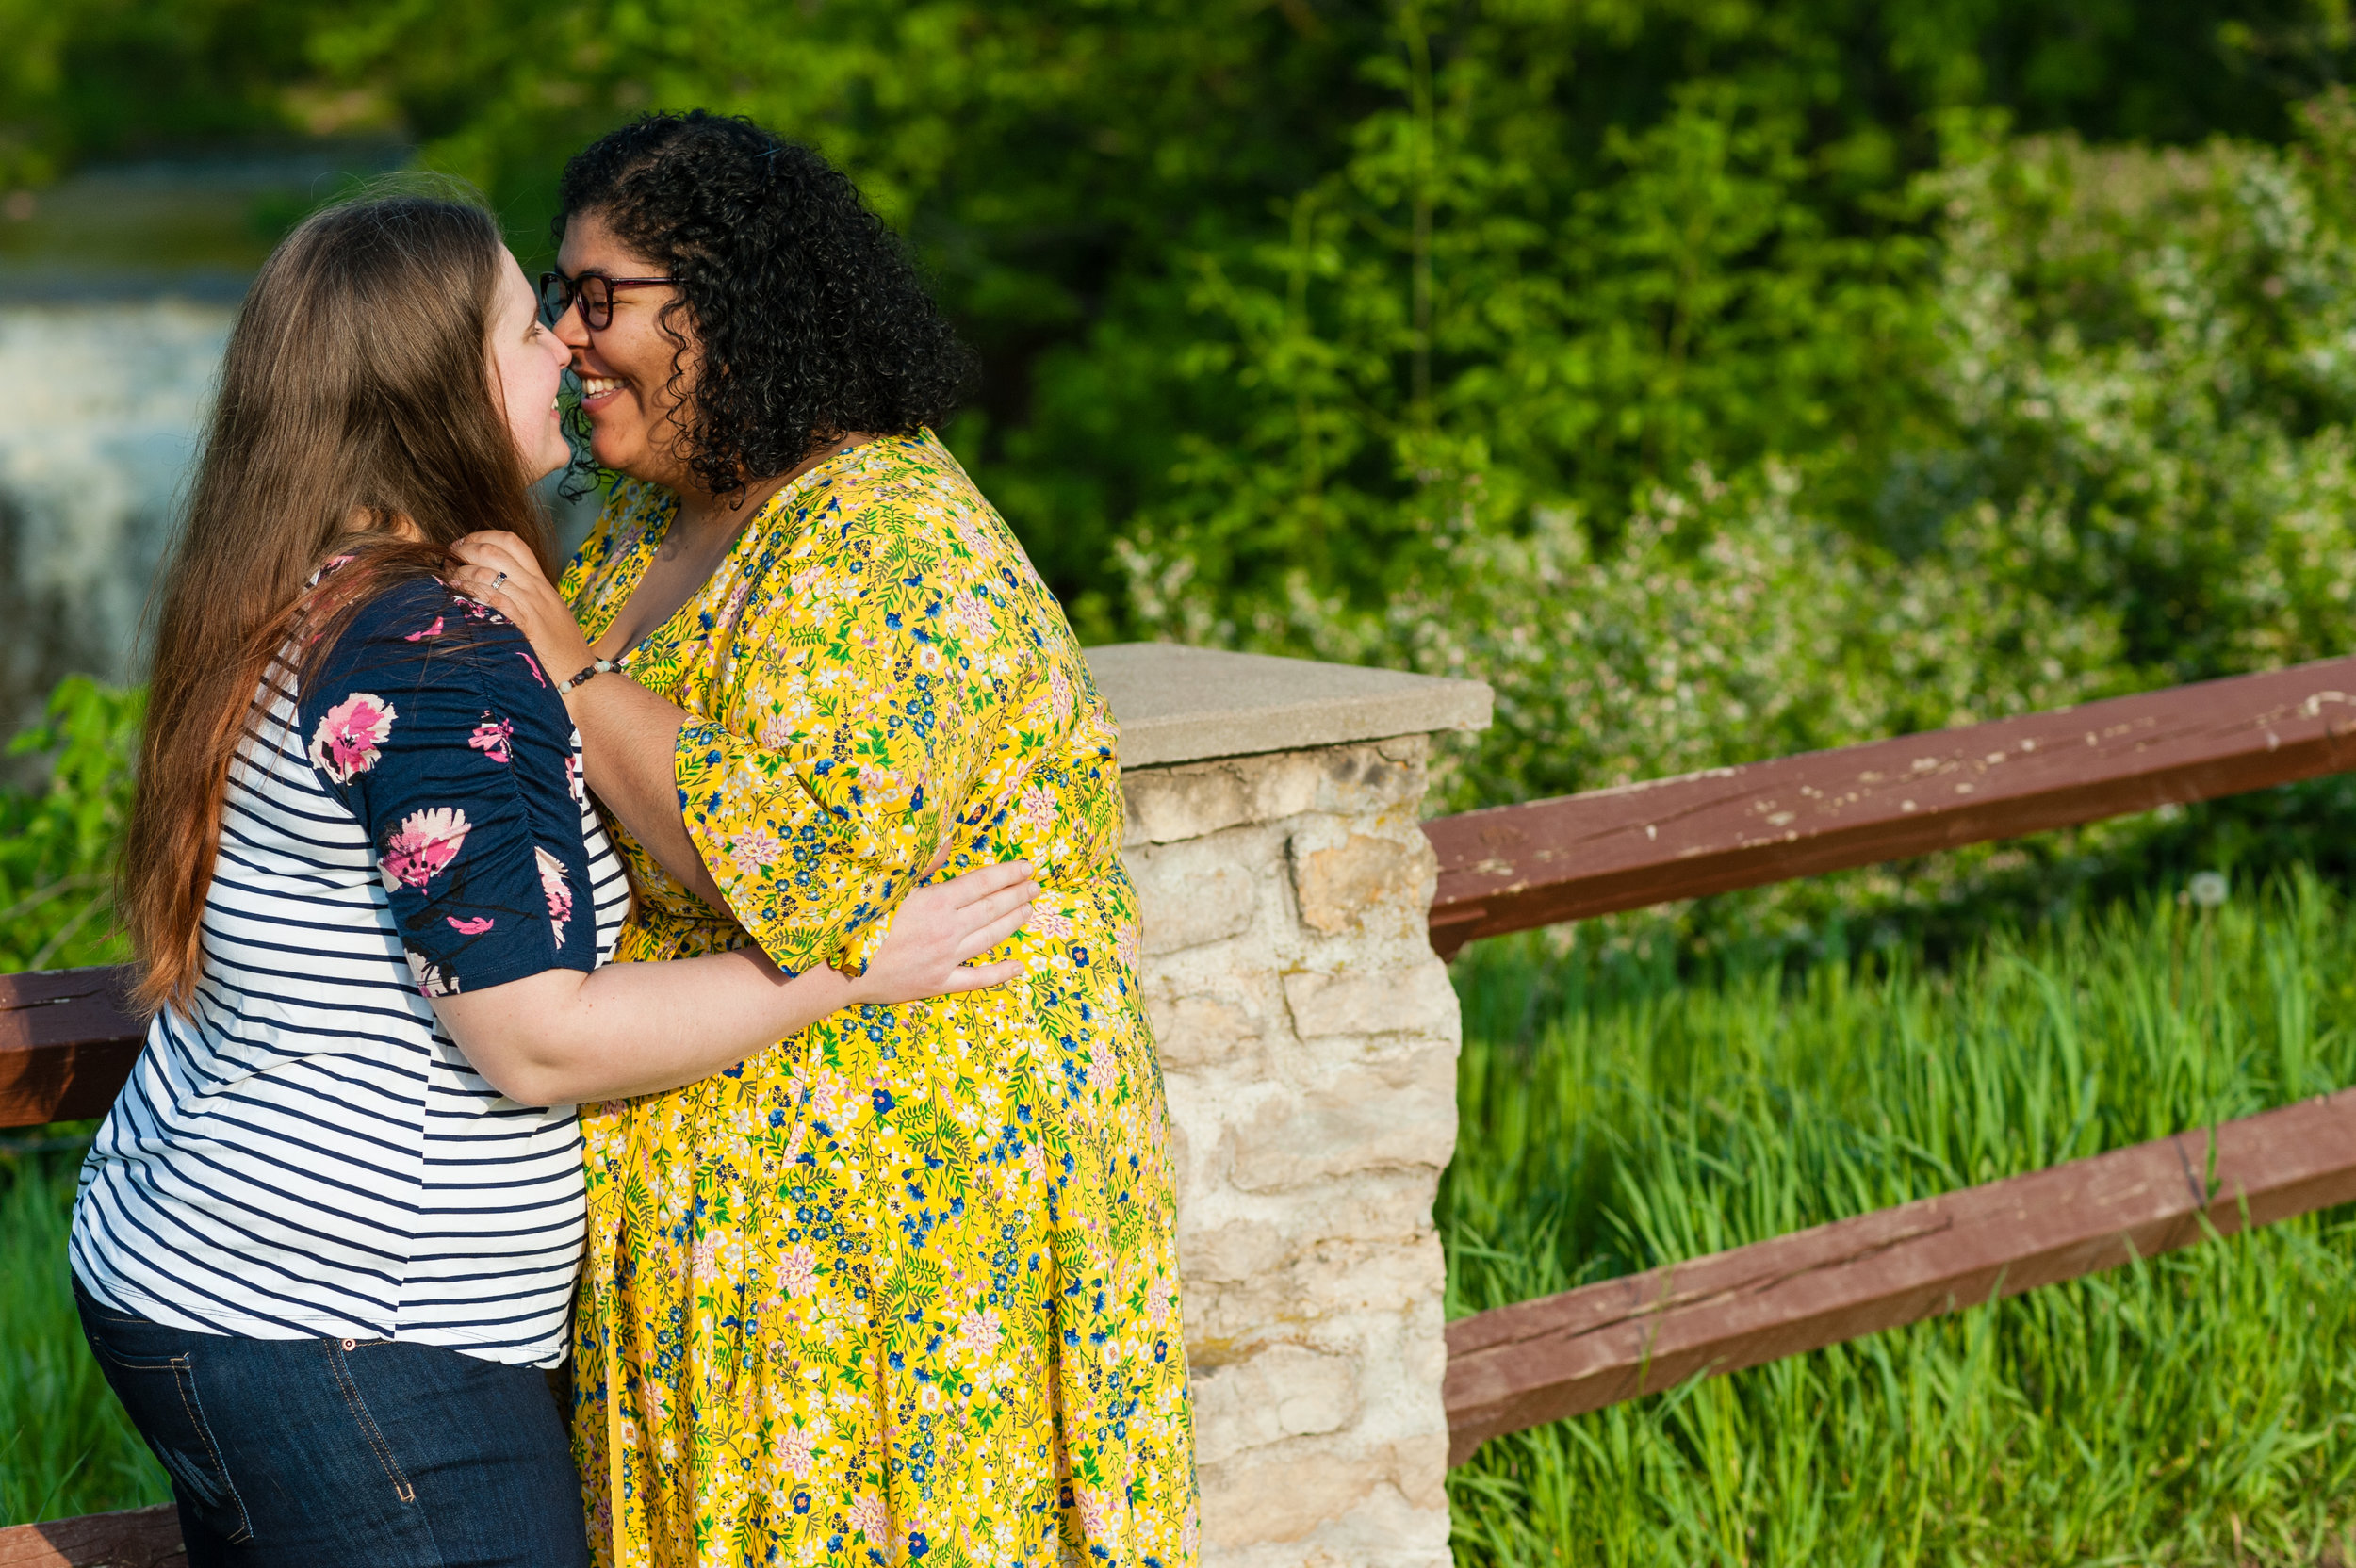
330 1230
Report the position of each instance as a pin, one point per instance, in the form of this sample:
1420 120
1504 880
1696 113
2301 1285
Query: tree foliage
1714 378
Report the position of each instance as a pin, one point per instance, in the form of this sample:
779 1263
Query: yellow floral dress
902 1288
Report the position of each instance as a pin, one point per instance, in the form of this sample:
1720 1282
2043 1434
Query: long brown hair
356 393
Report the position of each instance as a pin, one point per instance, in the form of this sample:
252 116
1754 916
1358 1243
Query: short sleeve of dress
817 824
431 720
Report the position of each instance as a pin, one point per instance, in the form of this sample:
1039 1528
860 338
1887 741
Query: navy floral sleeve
431 721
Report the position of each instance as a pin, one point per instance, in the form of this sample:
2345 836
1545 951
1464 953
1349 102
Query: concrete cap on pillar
1189 705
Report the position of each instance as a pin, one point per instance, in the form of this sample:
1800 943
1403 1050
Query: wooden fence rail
135 1537
1512 868
1563 1355
66 1045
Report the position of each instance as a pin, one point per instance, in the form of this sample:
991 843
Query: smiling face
635 424
527 369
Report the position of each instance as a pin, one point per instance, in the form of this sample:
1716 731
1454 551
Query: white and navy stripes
308 1155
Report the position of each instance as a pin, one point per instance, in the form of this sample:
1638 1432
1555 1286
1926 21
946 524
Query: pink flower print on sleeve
476 609
491 737
735 604
560 894
533 665
431 980
427 841
473 926
345 743
433 630
572 773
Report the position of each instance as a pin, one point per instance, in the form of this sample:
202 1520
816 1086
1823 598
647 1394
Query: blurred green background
1717 379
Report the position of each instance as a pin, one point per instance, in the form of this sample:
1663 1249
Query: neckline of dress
652 539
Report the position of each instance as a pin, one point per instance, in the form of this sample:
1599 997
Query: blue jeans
327 1453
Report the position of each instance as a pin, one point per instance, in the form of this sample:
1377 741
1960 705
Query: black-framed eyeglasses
592 291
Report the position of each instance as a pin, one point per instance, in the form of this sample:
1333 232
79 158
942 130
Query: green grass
2198 1407
65 1447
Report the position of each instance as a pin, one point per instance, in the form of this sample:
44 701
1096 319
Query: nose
570 329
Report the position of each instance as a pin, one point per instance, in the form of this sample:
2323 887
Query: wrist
858 990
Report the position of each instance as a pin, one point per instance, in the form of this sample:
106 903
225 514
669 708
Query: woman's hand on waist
937 928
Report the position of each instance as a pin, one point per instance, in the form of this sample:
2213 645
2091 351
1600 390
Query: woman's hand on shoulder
937 928
500 570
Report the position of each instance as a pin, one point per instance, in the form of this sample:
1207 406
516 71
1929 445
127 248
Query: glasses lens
597 302
554 296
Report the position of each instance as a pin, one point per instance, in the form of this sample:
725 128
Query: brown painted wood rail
1540 1361
1513 868
66 1046
135 1537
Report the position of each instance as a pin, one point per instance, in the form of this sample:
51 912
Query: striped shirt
305 1154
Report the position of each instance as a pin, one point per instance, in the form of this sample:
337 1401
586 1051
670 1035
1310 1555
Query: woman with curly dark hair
905 1287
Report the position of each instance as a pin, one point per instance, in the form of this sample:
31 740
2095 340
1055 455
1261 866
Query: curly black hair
813 318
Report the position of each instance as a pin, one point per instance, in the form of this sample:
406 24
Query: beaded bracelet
595 668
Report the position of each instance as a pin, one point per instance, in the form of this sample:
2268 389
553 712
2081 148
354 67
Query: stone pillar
1308 1039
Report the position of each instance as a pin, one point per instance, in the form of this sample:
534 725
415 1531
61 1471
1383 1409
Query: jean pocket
159 1394
339 1355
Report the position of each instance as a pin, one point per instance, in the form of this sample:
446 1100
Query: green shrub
58 840
2134 467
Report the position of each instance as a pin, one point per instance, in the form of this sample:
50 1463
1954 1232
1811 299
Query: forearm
562 1037
628 737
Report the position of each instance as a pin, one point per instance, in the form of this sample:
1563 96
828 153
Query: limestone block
1284 1391
1199 1028
1321 1288
1204 890
1168 805
1234 1250
1281 1495
1372 779
1362 1116
1417 1000
1203 1110
1340 876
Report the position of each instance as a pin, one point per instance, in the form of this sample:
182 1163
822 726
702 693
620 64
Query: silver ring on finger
497 582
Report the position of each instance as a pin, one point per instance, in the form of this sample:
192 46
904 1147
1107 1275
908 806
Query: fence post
1308 1039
